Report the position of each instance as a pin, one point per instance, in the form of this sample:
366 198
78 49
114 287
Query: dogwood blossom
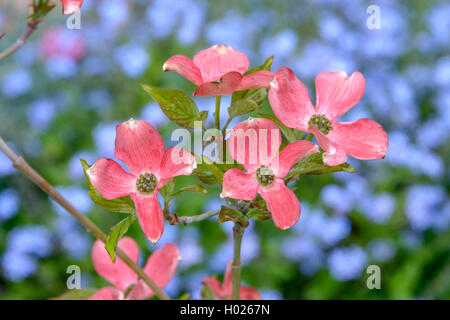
71 6
218 70
160 267
363 139
139 145
265 168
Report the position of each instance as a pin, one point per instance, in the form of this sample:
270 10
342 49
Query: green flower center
321 122
265 176
146 183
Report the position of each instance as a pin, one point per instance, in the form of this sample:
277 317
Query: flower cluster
255 145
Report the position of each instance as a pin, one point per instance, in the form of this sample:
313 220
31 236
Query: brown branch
20 164
176 219
31 26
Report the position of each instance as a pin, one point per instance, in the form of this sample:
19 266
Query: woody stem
238 232
217 114
20 164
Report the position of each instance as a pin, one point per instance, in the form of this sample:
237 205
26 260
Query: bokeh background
62 94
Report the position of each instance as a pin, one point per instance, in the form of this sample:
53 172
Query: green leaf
76 294
207 293
122 205
191 188
176 105
258 214
184 296
41 9
314 165
167 191
290 134
210 172
116 233
241 107
230 214
256 95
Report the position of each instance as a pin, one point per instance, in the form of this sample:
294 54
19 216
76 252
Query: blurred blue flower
163 16
72 237
6 167
153 114
378 208
16 83
441 74
104 137
439 24
41 113
113 13
61 67
425 207
174 286
194 283
36 240
192 19
9 204
281 46
94 65
78 197
133 59
381 250
347 263
99 98
18 266
75 169
334 230
270 294
337 198
433 133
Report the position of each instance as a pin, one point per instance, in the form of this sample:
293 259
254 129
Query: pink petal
337 93
290 101
282 203
108 177
239 185
107 293
334 154
216 288
185 67
118 273
139 146
254 142
247 293
292 153
176 162
227 279
161 266
224 86
150 215
71 6
259 79
363 139
218 60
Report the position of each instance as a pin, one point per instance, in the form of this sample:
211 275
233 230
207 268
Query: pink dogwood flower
265 168
160 267
363 139
140 146
223 292
71 6
218 70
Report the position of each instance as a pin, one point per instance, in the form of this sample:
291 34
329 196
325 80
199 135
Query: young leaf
122 205
258 214
241 107
314 165
191 188
117 232
167 191
76 294
290 134
229 214
176 105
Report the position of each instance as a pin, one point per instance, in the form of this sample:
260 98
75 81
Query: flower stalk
238 232
217 114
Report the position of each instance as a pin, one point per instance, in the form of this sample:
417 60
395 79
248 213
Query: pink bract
336 93
71 6
141 148
160 267
255 144
218 70
223 292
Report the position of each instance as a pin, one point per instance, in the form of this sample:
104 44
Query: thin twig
175 219
31 26
20 164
